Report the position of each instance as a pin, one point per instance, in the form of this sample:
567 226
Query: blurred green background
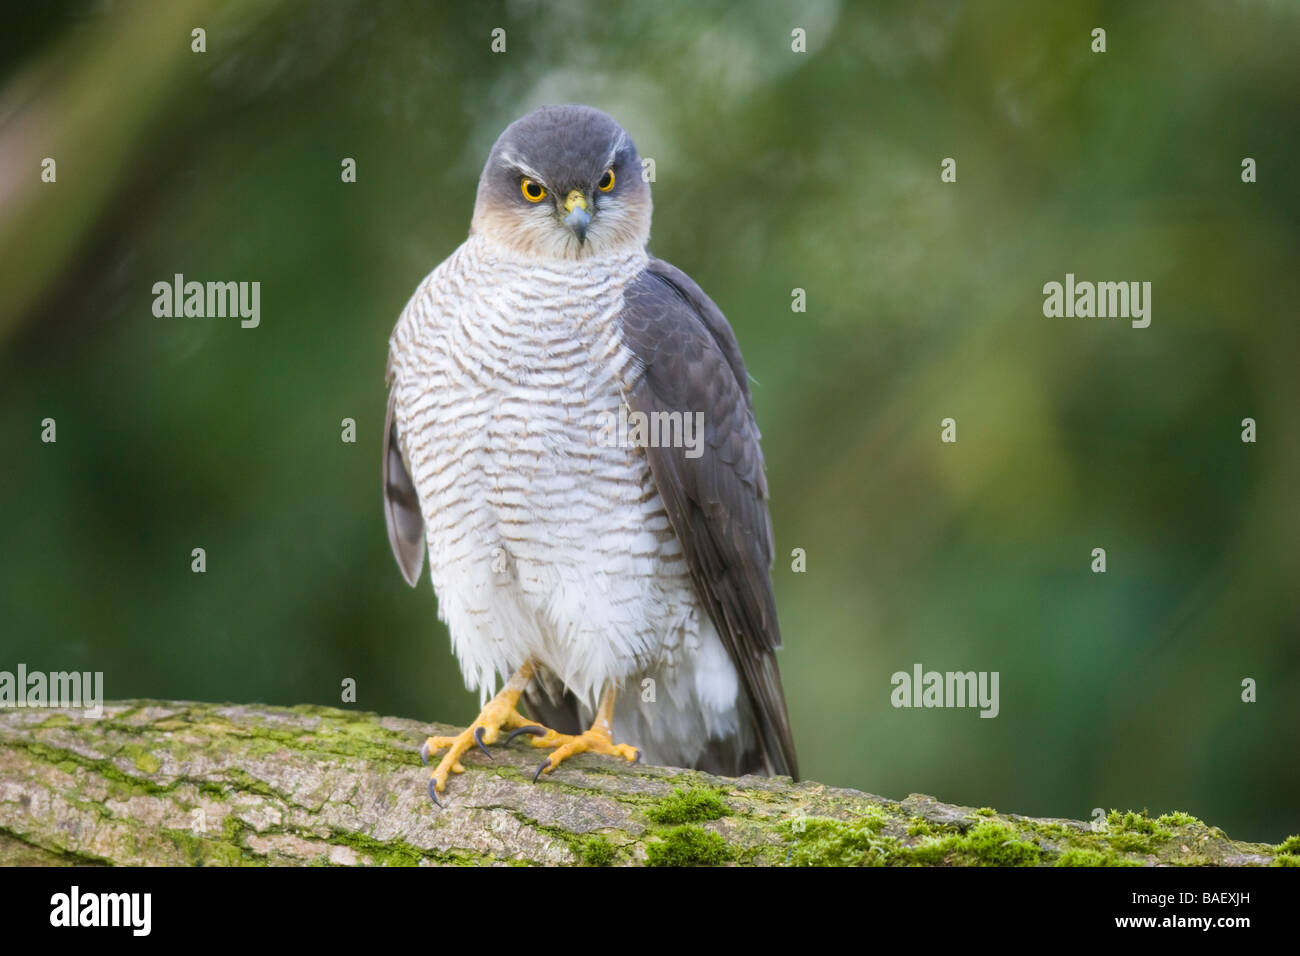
775 170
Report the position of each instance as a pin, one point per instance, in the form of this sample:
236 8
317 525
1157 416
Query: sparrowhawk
569 565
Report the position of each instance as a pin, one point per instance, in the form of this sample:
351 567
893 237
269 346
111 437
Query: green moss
1132 843
1177 818
688 846
995 844
231 828
17 851
919 826
820 841
1287 859
143 760
988 843
69 762
874 817
594 851
1055 831
201 851
1133 822
337 732
1081 857
986 812
386 853
689 805
1131 832
400 853
243 782
1290 846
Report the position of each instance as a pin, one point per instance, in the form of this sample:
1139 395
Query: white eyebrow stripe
513 160
623 140
523 167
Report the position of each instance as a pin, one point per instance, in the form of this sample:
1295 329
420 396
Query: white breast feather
543 542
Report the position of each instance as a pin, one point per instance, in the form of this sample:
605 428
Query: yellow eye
533 191
607 181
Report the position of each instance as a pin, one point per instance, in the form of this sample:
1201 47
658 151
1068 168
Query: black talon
545 763
638 758
424 753
434 793
478 739
530 729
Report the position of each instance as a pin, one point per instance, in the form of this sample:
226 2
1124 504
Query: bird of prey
620 586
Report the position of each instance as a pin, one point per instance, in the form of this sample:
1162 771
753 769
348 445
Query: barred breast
544 541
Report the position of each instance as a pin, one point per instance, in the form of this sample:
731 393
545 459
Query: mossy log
159 783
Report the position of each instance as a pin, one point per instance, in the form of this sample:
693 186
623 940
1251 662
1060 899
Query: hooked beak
576 217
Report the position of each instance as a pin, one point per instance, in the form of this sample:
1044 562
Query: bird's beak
576 216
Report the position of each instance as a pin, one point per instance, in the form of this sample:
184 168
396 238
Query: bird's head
564 182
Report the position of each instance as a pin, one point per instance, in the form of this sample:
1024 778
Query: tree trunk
177 783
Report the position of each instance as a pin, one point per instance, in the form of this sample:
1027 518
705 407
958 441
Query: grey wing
717 502
401 503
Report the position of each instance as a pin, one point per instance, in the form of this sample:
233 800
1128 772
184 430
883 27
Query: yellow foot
498 715
485 730
597 740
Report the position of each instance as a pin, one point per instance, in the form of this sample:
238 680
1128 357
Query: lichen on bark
178 783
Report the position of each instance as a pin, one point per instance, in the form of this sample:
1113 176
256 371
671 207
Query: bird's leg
499 714
597 740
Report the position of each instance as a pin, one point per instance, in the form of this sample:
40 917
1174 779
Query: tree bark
177 783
